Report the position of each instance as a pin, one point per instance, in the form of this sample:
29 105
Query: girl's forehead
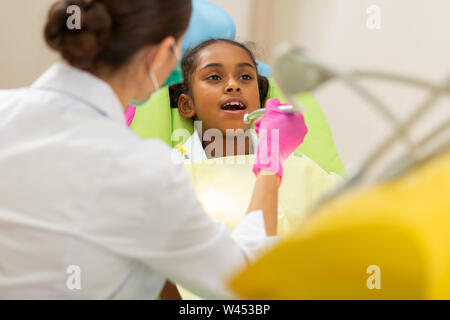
222 53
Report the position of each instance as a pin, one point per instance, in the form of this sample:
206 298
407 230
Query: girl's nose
232 87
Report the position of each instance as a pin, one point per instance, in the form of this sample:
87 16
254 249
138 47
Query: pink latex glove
129 114
280 134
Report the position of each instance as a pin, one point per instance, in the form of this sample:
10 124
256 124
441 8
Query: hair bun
79 46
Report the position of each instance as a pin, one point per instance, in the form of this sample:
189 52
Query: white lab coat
84 201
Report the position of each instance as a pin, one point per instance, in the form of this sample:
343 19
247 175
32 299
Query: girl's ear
186 106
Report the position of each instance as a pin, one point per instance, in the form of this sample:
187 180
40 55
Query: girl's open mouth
234 106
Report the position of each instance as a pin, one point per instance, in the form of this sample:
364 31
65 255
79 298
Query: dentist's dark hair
112 31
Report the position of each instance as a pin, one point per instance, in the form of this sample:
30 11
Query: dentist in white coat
88 209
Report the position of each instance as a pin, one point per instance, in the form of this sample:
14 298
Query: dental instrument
250 117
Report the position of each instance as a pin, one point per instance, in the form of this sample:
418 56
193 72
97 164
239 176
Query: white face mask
155 82
177 54
154 79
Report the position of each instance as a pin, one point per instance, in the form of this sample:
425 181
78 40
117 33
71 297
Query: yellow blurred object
390 241
225 186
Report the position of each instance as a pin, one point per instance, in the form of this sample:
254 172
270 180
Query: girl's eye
213 77
246 77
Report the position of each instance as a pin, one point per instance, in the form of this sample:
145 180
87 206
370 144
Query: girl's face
224 88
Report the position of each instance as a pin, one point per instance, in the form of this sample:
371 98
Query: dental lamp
297 73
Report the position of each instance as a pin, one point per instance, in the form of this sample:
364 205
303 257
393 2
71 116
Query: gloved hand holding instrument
280 134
